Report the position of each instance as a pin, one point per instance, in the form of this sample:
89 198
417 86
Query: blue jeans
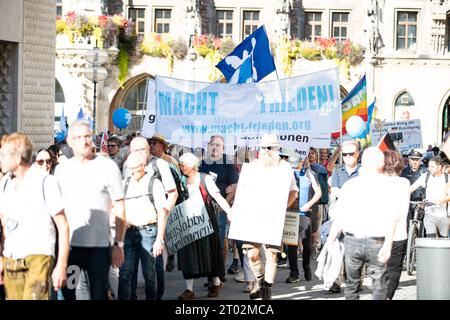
89 267
222 222
360 251
138 245
159 278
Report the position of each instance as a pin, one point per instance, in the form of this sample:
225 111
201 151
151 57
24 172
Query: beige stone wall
37 71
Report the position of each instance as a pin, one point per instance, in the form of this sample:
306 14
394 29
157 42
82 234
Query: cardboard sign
187 223
259 207
291 226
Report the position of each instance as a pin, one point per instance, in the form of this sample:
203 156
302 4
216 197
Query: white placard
405 135
260 203
291 226
149 124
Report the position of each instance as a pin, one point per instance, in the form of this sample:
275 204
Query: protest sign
259 206
187 223
406 135
149 124
189 112
290 231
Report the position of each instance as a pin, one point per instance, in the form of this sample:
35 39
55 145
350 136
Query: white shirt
400 202
28 217
436 190
88 191
364 205
140 211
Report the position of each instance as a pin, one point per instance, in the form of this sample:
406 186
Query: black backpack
180 180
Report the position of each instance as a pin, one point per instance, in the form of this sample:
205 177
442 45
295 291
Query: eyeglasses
268 148
350 154
217 145
112 145
41 161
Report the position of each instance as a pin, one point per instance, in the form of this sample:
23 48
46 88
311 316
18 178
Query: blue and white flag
80 115
63 121
91 122
250 61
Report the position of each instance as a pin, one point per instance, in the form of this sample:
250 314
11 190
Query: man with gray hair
92 189
364 213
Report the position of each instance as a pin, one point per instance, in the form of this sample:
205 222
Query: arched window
404 107
134 101
59 93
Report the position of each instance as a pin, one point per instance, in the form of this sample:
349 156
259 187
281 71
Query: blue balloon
59 136
121 118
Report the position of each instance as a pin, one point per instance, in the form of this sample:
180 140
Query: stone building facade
27 68
406 61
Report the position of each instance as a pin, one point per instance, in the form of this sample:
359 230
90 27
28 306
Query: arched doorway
404 107
446 117
132 97
59 103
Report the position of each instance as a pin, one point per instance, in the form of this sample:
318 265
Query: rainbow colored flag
355 103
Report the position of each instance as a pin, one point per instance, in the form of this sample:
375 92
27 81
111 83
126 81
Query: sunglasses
268 148
112 145
350 154
41 162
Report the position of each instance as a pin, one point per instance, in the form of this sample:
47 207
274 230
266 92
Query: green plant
122 63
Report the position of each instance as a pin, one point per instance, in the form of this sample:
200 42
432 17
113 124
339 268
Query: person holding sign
265 189
203 257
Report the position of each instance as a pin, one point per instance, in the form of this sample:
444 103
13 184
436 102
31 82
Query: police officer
412 172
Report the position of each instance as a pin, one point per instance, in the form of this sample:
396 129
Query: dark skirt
203 257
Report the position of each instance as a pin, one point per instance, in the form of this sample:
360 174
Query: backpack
323 182
150 189
180 180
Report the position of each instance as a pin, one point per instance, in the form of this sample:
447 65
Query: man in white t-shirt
365 214
30 207
141 145
436 220
144 239
92 189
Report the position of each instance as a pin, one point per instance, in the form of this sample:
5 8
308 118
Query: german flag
386 143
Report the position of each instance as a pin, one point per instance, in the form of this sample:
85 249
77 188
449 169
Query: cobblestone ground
303 290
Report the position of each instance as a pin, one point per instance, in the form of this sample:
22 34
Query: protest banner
149 124
291 226
406 135
186 223
259 206
189 112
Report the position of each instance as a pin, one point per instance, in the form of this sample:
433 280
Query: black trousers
305 236
394 266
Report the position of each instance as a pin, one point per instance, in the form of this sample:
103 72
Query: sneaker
292 279
234 267
256 293
170 264
282 263
239 277
213 292
335 288
186 295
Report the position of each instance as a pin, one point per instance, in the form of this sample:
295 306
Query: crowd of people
79 223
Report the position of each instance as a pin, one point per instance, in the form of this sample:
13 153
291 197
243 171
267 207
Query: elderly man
30 207
140 145
348 170
158 148
144 239
265 274
92 189
368 221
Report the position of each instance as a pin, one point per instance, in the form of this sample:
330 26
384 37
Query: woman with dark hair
393 166
45 160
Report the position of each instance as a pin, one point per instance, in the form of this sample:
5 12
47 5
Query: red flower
102 20
158 38
70 17
217 43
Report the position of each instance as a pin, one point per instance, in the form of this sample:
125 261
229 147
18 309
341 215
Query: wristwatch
120 244
162 241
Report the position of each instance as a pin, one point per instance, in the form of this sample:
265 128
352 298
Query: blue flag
80 115
251 60
63 121
91 122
